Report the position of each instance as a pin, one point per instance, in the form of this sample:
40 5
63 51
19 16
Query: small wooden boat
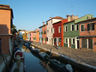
58 66
44 56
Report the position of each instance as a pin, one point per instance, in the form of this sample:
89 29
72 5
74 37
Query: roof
83 18
87 20
57 17
56 22
42 25
69 21
6 7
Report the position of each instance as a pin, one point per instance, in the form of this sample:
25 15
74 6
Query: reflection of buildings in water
46 66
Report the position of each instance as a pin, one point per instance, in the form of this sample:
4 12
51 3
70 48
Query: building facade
71 32
34 35
44 33
88 34
40 34
6 17
58 33
50 23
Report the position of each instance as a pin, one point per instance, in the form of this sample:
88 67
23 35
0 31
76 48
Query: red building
58 33
44 33
87 36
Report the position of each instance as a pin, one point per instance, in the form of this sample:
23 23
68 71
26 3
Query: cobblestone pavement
80 55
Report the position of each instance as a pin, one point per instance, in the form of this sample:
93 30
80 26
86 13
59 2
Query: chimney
74 17
69 17
43 23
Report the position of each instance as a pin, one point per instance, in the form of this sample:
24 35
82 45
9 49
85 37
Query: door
69 42
90 42
0 45
84 43
78 44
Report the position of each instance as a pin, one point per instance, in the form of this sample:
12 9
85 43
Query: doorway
90 42
70 42
84 43
78 44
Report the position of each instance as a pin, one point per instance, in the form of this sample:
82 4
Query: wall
5 44
49 33
87 33
56 29
5 19
70 33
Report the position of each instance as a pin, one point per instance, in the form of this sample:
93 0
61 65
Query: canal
34 64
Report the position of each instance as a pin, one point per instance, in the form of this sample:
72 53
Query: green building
71 32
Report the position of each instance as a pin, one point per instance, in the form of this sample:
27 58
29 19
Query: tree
14 30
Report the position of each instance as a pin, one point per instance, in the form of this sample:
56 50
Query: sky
29 14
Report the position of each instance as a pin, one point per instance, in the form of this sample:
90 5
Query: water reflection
46 66
34 64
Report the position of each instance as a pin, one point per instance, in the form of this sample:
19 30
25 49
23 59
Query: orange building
34 35
6 17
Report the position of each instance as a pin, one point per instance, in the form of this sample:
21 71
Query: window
44 32
53 30
42 39
77 27
41 32
59 29
46 38
82 28
66 28
92 26
54 39
88 27
66 40
59 39
72 27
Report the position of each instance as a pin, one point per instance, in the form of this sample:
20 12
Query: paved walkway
80 55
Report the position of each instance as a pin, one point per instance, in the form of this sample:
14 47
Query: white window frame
71 40
76 27
65 40
65 28
59 29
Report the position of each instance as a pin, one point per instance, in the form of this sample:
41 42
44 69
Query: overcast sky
29 14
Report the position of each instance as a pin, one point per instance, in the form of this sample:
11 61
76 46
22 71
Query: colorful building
44 33
34 35
88 33
58 33
71 32
6 17
40 34
50 23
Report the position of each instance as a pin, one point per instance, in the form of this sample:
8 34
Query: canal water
34 64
